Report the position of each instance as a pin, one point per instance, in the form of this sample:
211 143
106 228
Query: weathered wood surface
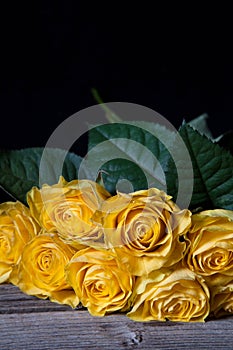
31 323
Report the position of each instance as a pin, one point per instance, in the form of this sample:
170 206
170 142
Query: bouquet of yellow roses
134 252
78 242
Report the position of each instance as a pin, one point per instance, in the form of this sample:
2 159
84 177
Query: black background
177 61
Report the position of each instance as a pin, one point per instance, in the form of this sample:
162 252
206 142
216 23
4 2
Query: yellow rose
98 281
144 229
222 297
17 227
211 243
178 295
67 208
41 270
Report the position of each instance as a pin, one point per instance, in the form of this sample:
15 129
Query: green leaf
19 169
213 171
200 124
130 178
133 152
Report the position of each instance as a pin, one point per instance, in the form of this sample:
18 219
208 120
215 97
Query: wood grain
30 323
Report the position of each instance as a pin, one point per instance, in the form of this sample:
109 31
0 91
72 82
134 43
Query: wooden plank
39 327
12 300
